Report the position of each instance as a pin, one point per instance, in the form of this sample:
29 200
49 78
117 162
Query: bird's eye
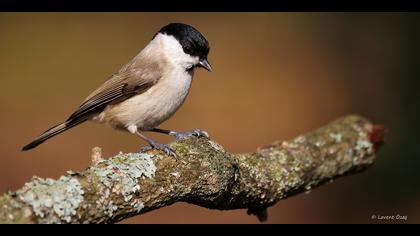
187 46
187 50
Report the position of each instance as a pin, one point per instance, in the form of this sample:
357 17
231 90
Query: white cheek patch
175 53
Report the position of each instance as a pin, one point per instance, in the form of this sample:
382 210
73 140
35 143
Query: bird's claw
194 132
160 147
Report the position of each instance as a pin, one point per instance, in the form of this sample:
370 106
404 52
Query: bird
147 90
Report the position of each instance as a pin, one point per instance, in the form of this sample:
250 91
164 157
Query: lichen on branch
204 174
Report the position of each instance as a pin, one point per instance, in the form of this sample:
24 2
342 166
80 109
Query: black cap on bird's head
192 41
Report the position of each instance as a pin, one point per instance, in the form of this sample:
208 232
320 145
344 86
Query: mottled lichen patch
290 171
363 149
324 154
52 201
138 205
276 172
13 211
120 176
337 137
297 141
97 156
215 145
363 145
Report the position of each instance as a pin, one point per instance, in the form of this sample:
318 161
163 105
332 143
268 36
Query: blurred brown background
275 76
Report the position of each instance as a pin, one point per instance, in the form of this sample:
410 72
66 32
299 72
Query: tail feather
51 133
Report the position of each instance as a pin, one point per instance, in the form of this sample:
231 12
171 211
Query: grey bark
204 174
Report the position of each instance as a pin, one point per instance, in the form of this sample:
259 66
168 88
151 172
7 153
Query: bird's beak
205 64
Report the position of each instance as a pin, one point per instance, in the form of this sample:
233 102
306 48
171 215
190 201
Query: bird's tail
52 132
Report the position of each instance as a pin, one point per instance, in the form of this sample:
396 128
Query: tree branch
204 174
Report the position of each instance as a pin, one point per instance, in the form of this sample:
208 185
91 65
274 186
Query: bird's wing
117 88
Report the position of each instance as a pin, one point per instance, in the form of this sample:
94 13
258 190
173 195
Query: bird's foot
194 133
160 147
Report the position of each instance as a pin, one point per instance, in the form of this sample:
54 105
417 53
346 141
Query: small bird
146 91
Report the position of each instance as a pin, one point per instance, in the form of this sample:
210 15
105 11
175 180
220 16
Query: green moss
180 148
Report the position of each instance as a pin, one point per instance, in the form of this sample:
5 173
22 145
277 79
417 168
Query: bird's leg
180 135
157 146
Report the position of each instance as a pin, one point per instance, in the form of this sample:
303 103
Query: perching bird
147 90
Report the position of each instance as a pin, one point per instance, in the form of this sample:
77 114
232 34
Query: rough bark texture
204 174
